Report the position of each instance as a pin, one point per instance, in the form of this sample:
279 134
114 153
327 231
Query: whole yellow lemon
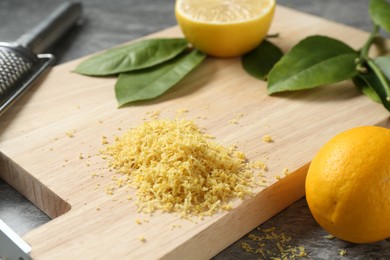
348 185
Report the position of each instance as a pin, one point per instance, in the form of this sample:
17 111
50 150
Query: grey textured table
108 23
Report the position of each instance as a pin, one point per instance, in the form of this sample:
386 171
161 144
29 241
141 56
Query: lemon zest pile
174 167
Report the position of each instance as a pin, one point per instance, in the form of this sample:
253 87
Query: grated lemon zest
174 167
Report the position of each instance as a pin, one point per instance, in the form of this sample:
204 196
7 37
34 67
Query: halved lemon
224 28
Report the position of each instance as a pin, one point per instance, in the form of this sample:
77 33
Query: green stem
275 35
366 47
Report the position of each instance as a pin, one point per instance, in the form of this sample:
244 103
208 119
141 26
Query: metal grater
20 65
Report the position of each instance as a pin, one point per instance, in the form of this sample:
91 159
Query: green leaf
315 61
152 82
260 61
377 80
380 13
138 55
366 89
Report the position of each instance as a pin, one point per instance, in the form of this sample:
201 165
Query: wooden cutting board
50 138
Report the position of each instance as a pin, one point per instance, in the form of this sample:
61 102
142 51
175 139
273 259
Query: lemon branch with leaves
319 60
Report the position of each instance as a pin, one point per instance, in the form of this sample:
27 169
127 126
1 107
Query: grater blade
19 69
12 67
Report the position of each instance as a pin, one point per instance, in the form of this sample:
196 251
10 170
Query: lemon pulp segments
223 11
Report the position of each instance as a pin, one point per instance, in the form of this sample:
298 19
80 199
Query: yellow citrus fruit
224 28
348 185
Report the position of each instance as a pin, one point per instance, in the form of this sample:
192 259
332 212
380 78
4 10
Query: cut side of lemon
224 28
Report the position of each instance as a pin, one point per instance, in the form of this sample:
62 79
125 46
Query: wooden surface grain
307 233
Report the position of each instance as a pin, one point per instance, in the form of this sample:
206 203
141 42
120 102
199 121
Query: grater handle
52 28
